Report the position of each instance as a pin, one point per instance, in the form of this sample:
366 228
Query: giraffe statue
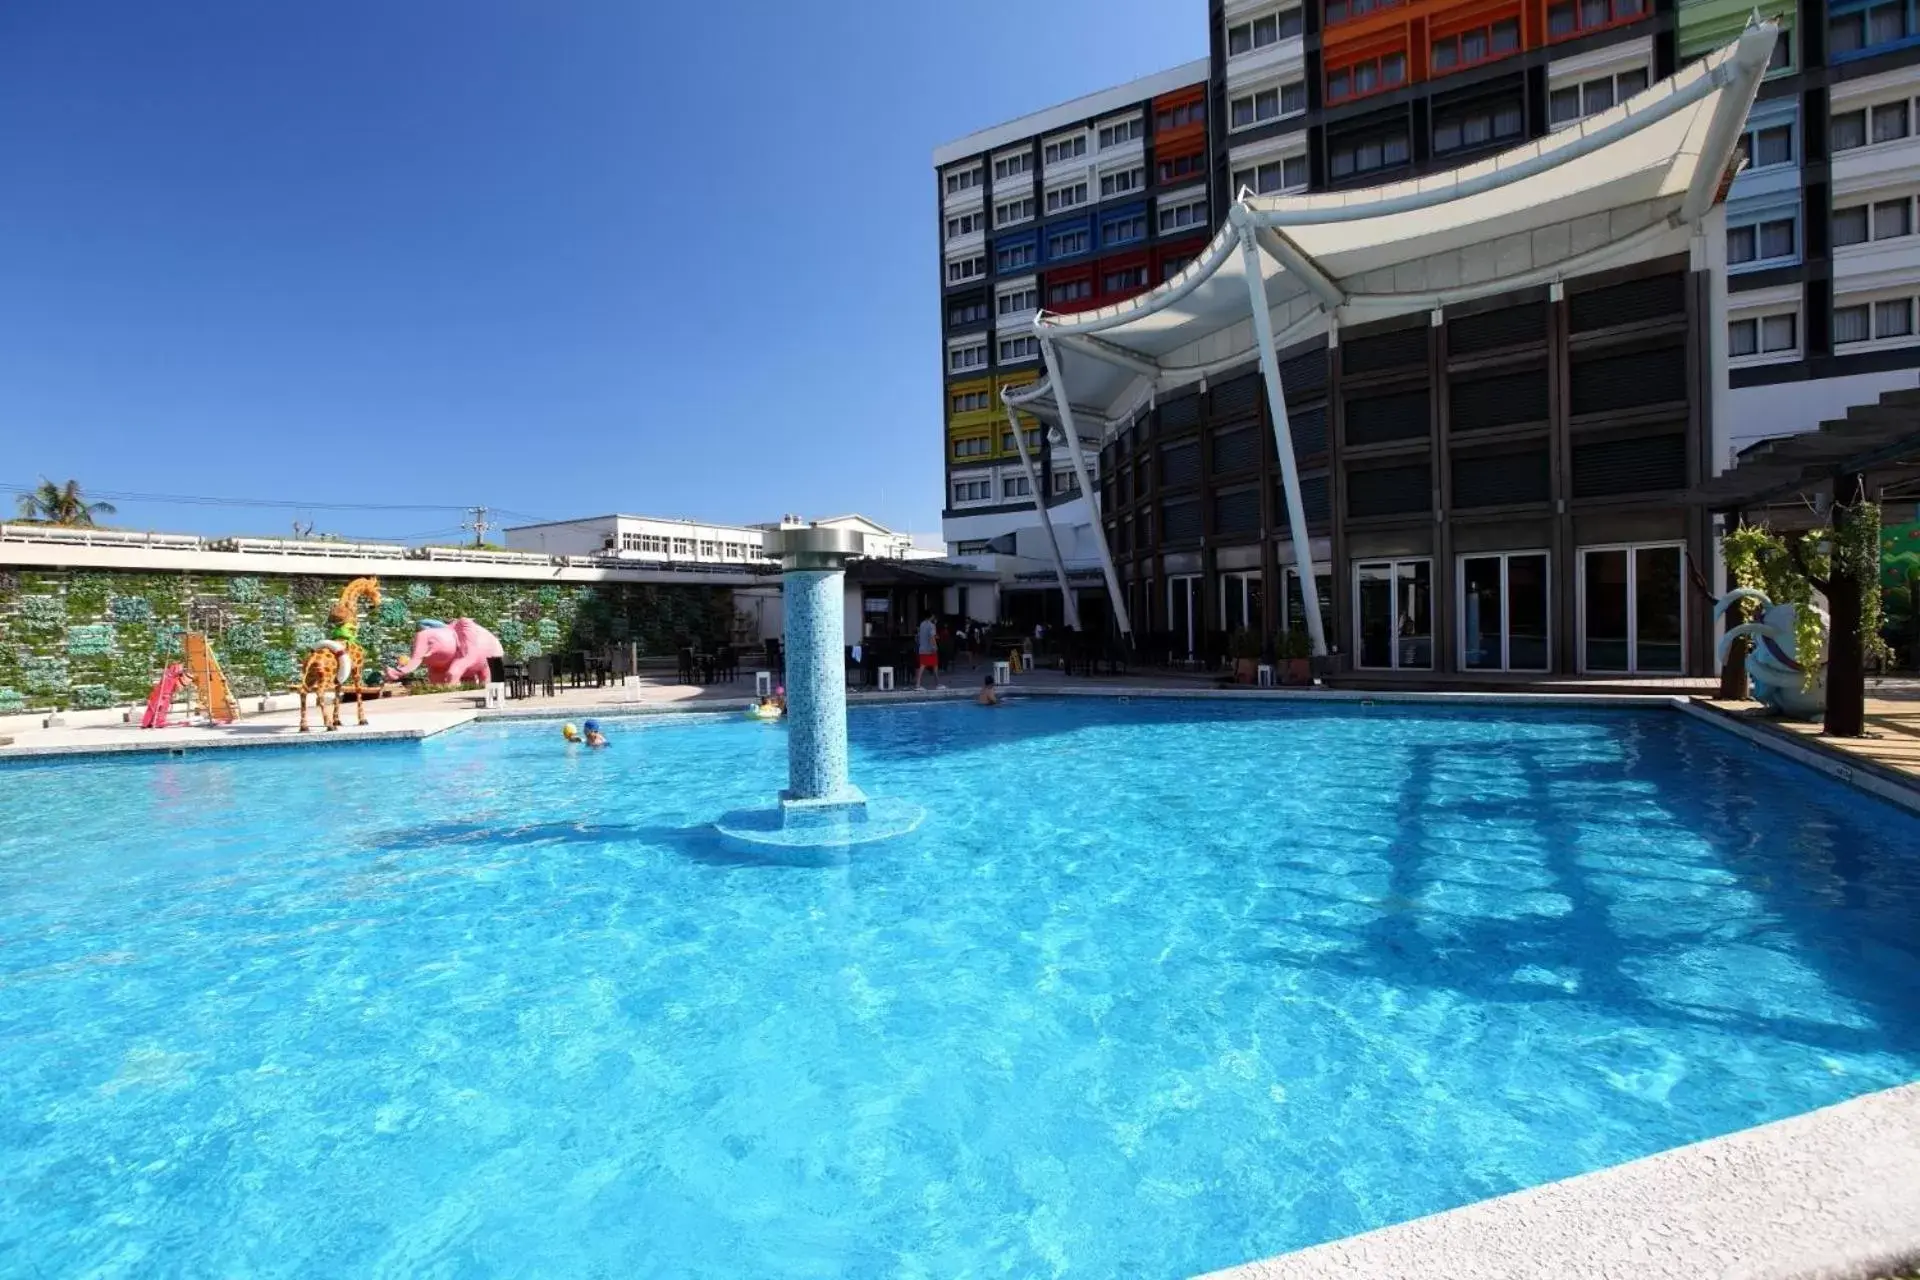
320 673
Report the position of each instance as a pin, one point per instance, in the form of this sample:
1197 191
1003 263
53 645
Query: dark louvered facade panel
1505 400
1237 512
1390 491
1394 350
1645 464
1403 415
1236 450
1492 330
1605 383
1635 301
1239 398
1309 428
1315 499
1501 479
1180 414
1305 376
1180 463
1180 521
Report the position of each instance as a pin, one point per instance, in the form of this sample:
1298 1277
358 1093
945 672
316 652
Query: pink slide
161 698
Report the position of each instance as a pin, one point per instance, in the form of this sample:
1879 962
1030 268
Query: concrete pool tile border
1831 1194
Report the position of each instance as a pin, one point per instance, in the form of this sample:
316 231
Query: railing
68 535
479 555
313 547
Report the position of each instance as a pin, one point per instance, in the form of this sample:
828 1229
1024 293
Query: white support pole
1086 487
1282 437
1067 601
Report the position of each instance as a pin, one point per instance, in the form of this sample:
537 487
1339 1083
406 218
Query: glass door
1632 615
1241 603
1183 608
1296 608
1503 612
1393 614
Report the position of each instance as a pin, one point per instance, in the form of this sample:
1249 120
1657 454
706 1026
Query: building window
1121 182
1892 218
1128 278
1383 151
960 270
1867 28
1185 214
1179 168
1631 614
1393 614
1124 230
971 447
1179 117
1012 166
1341 10
1887 319
1263 105
1030 437
683 546
964 180
1069 291
1024 347
1014 257
1768 146
1572 102
1288 173
1269 29
1066 148
1070 196
1503 612
1763 335
1065 482
972 491
1362 78
1761 241
1571 17
1016 487
964 224
1008 212
1013 303
1884 122
1066 244
970 401
1460 128
1482 44
960 359
1174 265
967 313
709 549
1118 135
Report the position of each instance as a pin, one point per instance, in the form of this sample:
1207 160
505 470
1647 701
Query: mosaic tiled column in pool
816 687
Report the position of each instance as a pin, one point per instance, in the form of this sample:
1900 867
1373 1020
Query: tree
51 503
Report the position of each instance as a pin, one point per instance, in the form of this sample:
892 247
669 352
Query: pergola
1875 447
1631 183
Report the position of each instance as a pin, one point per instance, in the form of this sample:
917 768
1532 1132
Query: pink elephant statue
452 652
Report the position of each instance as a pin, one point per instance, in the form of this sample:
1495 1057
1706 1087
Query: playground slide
209 682
160 701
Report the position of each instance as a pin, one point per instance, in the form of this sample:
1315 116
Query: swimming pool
1155 988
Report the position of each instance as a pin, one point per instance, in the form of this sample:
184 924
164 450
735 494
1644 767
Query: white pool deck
1832 1194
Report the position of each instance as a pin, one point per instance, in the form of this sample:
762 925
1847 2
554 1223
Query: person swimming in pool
594 737
989 696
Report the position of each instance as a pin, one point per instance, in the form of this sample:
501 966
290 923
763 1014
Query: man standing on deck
929 647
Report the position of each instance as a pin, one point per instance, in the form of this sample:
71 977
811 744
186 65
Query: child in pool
594 737
989 696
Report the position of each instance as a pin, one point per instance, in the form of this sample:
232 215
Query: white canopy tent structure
1629 184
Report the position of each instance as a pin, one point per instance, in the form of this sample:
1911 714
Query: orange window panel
1463 40
1373 68
1567 19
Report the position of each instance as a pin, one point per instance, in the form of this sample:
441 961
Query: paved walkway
1892 721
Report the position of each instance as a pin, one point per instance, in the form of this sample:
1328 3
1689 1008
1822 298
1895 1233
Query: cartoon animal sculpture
452 652
1773 664
320 673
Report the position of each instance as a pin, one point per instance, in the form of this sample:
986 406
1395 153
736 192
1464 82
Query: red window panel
1567 19
1359 75
1065 292
1123 276
1170 259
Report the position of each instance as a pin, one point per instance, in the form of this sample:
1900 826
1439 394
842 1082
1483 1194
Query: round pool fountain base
839 823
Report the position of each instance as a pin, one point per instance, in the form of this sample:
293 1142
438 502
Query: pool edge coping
1822 1195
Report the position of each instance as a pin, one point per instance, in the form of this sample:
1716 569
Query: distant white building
665 540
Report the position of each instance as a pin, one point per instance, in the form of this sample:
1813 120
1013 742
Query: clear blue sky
561 258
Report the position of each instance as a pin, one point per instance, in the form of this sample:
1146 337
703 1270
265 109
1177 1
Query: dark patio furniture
540 675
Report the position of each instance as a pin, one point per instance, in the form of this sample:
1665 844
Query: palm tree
51 503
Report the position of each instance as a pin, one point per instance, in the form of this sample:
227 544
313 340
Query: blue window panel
1762 236
1126 225
1016 253
1861 28
1064 241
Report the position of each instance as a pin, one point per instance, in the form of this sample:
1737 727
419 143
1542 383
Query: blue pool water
1156 988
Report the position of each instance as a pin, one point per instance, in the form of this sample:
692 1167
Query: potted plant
1244 645
1298 651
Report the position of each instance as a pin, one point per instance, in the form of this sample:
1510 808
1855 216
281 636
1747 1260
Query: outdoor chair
688 675
540 675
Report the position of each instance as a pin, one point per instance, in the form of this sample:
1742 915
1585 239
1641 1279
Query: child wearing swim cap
595 738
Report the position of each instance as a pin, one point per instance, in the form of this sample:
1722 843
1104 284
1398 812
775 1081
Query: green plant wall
1900 588
83 639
